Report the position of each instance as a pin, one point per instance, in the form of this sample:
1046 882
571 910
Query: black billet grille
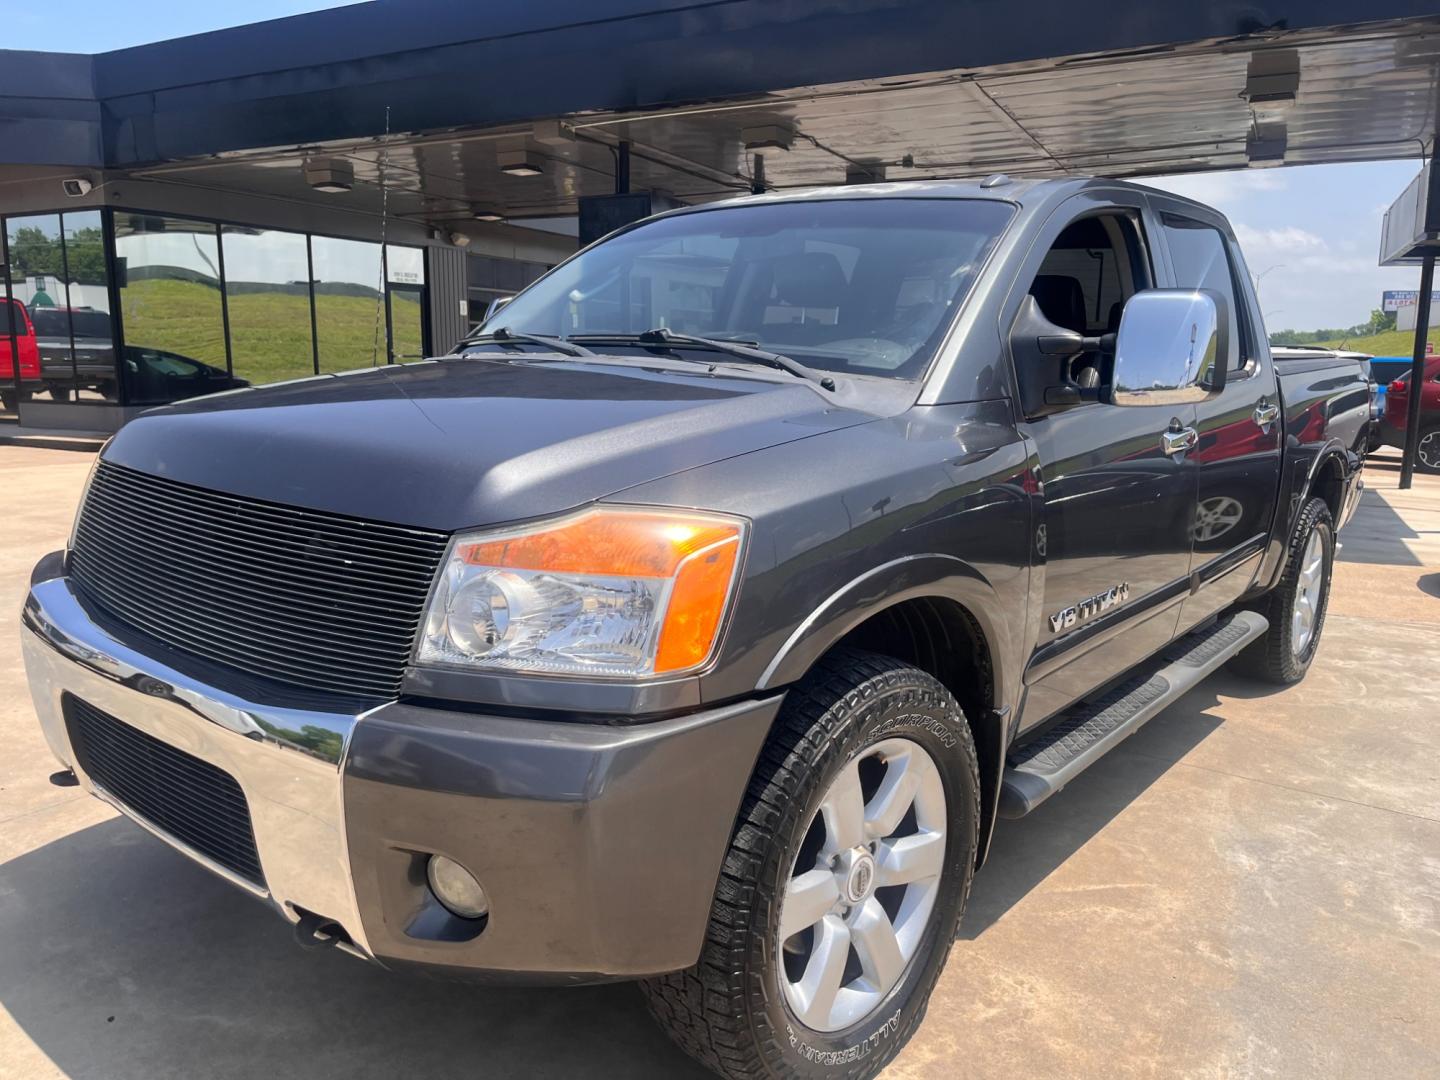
296 597
193 801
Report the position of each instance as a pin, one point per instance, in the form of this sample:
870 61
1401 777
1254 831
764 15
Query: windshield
61 322
859 286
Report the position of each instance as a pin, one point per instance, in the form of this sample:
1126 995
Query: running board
1043 766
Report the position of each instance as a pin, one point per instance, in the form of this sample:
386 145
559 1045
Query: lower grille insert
195 802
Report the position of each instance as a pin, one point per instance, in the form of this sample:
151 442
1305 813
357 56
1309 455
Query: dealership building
351 188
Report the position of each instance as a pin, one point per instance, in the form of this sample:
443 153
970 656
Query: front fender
908 578
914 577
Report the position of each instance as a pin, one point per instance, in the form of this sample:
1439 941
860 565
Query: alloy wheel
861 891
1429 450
1217 516
1308 594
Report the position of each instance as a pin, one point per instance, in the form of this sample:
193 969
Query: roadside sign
1395 299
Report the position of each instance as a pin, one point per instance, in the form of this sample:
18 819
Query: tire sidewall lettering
932 722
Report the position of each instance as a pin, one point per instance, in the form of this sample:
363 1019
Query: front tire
1296 607
844 883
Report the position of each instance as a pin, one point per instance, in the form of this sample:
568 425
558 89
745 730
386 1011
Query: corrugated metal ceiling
1366 92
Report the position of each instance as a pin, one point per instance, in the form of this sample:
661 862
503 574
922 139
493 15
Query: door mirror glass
1171 348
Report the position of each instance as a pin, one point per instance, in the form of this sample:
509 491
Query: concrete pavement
1250 886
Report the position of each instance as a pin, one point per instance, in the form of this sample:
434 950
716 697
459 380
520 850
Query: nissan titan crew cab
694 620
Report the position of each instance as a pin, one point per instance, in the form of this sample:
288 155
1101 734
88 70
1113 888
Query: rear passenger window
1202 261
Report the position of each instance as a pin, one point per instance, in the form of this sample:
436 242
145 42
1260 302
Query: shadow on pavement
121 960
1026 851
1377 536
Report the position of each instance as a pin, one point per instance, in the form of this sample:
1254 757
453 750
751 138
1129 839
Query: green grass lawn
1390 343
269 332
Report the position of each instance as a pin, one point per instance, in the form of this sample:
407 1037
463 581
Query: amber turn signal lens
625 543
698 553
697 601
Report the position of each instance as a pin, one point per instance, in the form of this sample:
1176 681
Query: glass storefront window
349 303
169 272
267 290
181 284
405 269
37 281
91 327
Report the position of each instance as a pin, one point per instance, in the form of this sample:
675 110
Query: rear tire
855 715
1296 607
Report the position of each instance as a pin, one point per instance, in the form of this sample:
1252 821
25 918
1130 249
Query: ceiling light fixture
1272 81
488 215
330 175
521 162
767 137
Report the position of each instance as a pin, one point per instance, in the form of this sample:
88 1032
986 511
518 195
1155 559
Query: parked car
15 320
1397 415
699 635
87 335
155 376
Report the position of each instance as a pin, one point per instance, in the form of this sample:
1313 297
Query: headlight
608 592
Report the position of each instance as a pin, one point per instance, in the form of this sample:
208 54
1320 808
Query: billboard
1395 299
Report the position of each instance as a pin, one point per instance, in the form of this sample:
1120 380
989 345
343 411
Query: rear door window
1202 261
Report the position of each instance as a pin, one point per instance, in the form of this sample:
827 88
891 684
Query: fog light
456 888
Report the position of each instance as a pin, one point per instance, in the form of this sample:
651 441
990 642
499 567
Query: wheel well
942 638
1329 485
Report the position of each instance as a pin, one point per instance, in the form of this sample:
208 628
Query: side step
1041 767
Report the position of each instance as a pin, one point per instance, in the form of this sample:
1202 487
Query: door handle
1266 414
1178 440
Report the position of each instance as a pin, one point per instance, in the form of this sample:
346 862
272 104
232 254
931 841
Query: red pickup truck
1397 406
14 317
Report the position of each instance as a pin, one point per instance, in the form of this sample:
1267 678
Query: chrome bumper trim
287 761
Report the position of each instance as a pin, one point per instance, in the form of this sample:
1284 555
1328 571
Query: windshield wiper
665 337
505 336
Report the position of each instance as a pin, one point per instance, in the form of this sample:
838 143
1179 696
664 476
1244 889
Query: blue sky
92 26
1311 232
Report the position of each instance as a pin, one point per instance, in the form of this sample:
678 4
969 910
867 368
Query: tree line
1378 323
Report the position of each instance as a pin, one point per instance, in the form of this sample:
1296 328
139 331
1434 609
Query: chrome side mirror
1172 349
495 305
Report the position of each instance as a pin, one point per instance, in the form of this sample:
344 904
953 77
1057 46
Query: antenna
381 305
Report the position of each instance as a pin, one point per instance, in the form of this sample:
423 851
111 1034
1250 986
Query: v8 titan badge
1090 607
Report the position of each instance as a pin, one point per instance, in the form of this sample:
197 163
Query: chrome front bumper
287 761
599 845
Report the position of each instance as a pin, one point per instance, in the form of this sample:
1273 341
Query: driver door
1114 547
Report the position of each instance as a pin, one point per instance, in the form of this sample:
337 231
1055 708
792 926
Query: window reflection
177 296
169 272
91 327
269 302
349 303
37 281
19 360
405 269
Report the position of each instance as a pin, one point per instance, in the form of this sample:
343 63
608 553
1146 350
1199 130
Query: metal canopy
902 88
1361 93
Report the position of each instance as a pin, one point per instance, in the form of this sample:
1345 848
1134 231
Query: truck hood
463 443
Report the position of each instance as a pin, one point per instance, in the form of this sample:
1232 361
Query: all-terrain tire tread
1270 657
708 1010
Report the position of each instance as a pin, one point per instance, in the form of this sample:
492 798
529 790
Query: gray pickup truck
697 618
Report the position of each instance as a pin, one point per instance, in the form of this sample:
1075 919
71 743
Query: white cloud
1310 233
1218 188
1284 240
